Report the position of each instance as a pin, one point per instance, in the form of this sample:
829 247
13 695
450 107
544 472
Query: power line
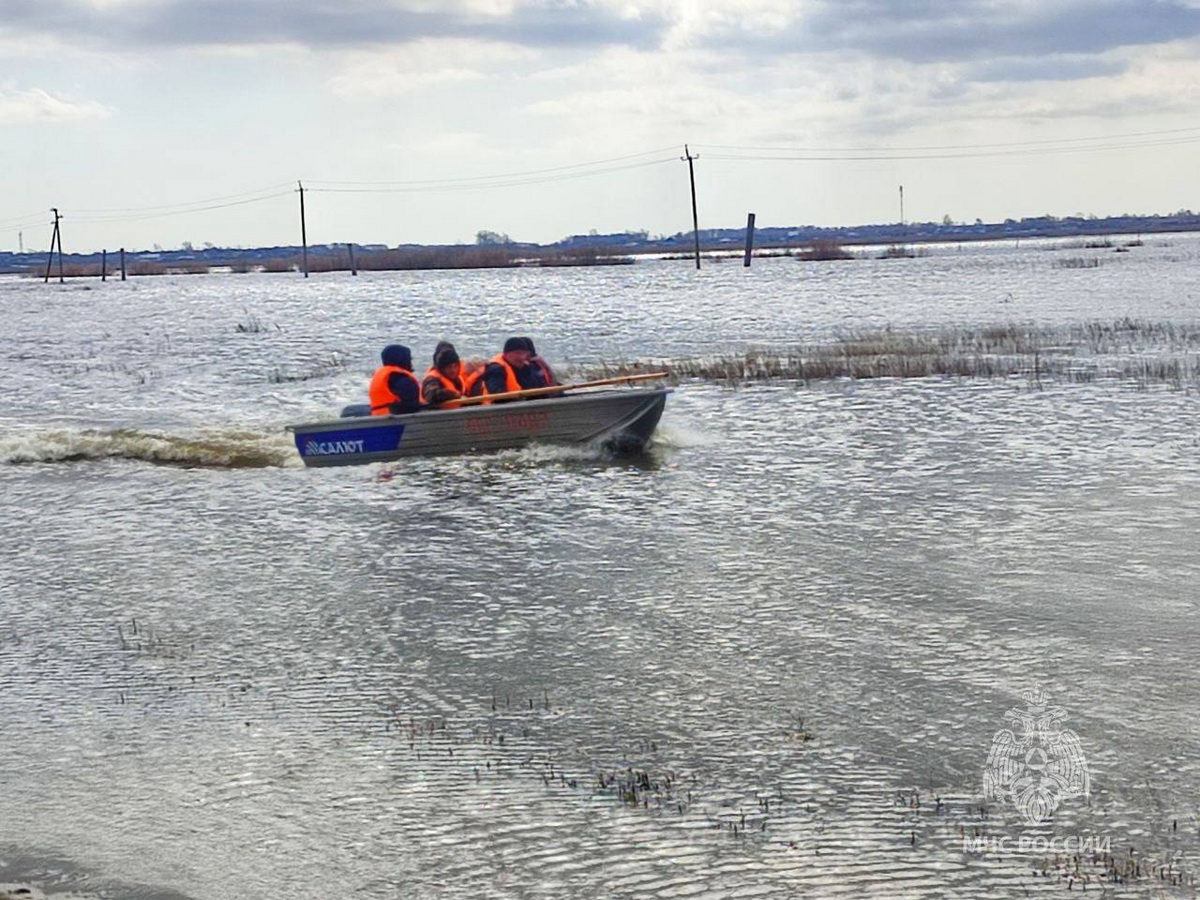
29 223
1123 141
444 187
180 206
97 219
517 179
23 220
853 156
500 177
949 147
532 177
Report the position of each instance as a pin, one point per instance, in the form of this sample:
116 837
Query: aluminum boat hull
619 420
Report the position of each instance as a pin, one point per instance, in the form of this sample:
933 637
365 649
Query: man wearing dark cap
443 381
538 373
499 376
394 388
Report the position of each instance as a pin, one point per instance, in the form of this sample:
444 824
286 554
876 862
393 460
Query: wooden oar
543 391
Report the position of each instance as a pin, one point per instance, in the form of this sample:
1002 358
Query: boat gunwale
480 409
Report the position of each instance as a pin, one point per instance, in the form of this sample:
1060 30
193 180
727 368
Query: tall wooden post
303 234
104 265
695 219
122 263
55 238
58 231
50 258
353 264
749 239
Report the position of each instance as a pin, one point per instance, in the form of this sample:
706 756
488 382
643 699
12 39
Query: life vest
475 385
381 395
450 384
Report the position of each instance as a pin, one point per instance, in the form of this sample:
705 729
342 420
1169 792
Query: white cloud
19 107
396 71
848 98
479 87
27 46
319 23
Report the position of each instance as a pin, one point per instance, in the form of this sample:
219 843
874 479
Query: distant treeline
796 237
593 249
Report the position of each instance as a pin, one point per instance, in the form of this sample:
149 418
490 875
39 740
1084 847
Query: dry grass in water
321 369
584 256
252 324
146 267
824 250
474 257
1137 352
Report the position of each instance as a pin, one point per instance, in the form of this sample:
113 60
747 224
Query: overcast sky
428 120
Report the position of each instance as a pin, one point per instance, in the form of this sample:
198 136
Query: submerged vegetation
475 257
321 369
1137 352
112 269
824 250
252 324
491 254
484 256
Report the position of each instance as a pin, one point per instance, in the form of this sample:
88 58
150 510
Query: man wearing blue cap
394 388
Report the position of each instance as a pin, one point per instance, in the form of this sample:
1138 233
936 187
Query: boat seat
356 409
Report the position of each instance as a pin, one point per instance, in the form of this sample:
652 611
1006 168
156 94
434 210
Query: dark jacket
530 376
544 371
403 384
542 374
496 380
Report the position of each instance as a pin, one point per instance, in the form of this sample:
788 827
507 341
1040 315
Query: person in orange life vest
471 369
443 381
394 388
538 373
499 376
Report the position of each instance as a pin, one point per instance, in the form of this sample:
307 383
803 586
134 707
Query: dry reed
1137 352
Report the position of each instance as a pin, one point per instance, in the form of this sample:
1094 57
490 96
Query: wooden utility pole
55 237
50 258
901 206
104 265
749 239
353 266
122 263
303 234
687 154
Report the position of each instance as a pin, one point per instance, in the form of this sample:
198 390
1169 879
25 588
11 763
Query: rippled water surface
768 659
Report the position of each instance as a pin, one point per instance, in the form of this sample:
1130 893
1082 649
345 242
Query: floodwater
769 659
